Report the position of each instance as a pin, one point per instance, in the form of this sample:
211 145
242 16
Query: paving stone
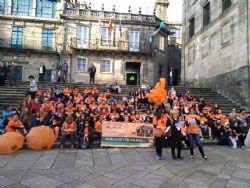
14 164
101 158
242 173
4 181
85 185
136 176
116 157
150 181
243 165
164 172
238 184
29 155
4 161
63 164
15 175
84 158
133 157
41 182
17 185
44 162
173 182
99 181
219 182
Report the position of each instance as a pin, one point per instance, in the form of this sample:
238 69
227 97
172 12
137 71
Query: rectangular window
3 6
82 37
161 43
46 8
206 14
22 7
106 37
17 37
106 66
47 37
81 64
134 39
226 4
191 27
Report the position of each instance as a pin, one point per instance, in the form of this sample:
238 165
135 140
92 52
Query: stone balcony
88 14
109 46
27 44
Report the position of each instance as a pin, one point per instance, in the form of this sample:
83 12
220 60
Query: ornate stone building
216 46
58 31
31 33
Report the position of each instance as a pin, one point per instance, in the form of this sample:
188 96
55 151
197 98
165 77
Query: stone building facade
30 34
216 46
174 51
58 31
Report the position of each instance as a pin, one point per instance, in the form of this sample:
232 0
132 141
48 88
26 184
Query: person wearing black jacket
92 71
176 136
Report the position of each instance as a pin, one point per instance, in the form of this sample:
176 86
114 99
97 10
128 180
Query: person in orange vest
69 129
160 123
193 134
14 125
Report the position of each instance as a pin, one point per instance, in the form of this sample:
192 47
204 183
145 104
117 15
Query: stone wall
217 55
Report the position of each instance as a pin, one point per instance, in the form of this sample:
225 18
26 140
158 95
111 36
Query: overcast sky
174 10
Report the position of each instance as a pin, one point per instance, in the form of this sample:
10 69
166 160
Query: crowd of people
77 116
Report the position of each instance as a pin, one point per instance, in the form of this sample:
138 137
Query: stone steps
14 95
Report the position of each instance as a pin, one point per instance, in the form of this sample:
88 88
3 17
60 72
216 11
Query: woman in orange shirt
159 122
69 129
14 125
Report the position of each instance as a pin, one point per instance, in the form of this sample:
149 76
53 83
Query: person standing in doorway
92 71
13 73
171 76
65 70
42 70
2 74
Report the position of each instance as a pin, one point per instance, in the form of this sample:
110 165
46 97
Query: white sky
174 9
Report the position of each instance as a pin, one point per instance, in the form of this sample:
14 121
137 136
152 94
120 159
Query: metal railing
122 46
30 44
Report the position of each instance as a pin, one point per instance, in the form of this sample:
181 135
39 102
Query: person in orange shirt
48 106
81 107
103 105
69 109
78 98
98 127
160 123
120 105
101 98
69 129
89 100
67 91
75 91
87 91
14 125
193 134
93 106
205 129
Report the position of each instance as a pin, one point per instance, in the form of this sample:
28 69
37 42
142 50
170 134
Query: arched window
46 8
22 7
3 6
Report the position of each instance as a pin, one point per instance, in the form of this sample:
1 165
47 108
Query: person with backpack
92 71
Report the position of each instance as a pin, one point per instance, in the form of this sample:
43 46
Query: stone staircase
14 95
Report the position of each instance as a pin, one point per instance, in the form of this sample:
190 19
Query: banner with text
118 134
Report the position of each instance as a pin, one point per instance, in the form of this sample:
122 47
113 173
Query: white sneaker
158 157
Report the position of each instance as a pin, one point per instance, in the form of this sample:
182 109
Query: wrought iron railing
30 44
123 46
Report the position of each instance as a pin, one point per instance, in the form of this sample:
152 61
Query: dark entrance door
18 75
132 72
47 75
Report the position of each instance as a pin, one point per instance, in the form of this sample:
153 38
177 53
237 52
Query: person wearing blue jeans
196 138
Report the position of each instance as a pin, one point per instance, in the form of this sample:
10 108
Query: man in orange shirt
67 91
14 125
